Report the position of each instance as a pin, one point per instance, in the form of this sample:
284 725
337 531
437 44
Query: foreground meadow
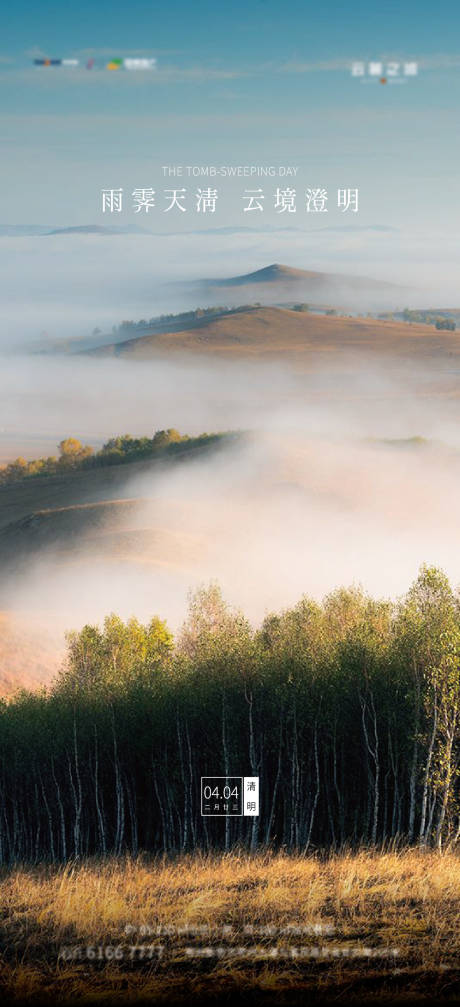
277 928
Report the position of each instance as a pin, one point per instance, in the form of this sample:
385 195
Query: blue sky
233 31
246 83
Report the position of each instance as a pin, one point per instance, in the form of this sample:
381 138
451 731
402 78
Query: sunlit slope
23 498
117 529
304 337
31 650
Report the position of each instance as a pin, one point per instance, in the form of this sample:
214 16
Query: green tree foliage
72 452
116 656
183 318
439 320
74 456
348 711
445 323
164 437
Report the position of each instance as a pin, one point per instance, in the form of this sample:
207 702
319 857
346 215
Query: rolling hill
27 505
304 338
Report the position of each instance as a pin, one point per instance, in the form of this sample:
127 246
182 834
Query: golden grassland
271 332
379 925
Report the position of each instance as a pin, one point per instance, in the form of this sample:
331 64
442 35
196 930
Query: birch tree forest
348 711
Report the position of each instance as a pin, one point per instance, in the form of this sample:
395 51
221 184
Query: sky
254 83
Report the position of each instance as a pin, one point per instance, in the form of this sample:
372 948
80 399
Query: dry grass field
356 926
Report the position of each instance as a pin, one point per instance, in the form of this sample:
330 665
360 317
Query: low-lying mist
76 282
345 475
45 398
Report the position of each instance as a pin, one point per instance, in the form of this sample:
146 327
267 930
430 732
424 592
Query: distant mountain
279 284
98 229
42 230
277 273
24 230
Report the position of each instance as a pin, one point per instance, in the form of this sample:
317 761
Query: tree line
74 456
347 710
182 318
440 319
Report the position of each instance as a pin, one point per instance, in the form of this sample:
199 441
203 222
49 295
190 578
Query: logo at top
118 63
390 72
131 63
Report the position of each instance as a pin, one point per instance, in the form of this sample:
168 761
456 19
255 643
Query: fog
46 398
270 521
64 285
322 488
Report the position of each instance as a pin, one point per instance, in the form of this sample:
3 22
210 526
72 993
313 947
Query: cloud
161 73
312 66
439 61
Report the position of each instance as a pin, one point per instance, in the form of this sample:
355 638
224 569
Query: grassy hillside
97 478
306 338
